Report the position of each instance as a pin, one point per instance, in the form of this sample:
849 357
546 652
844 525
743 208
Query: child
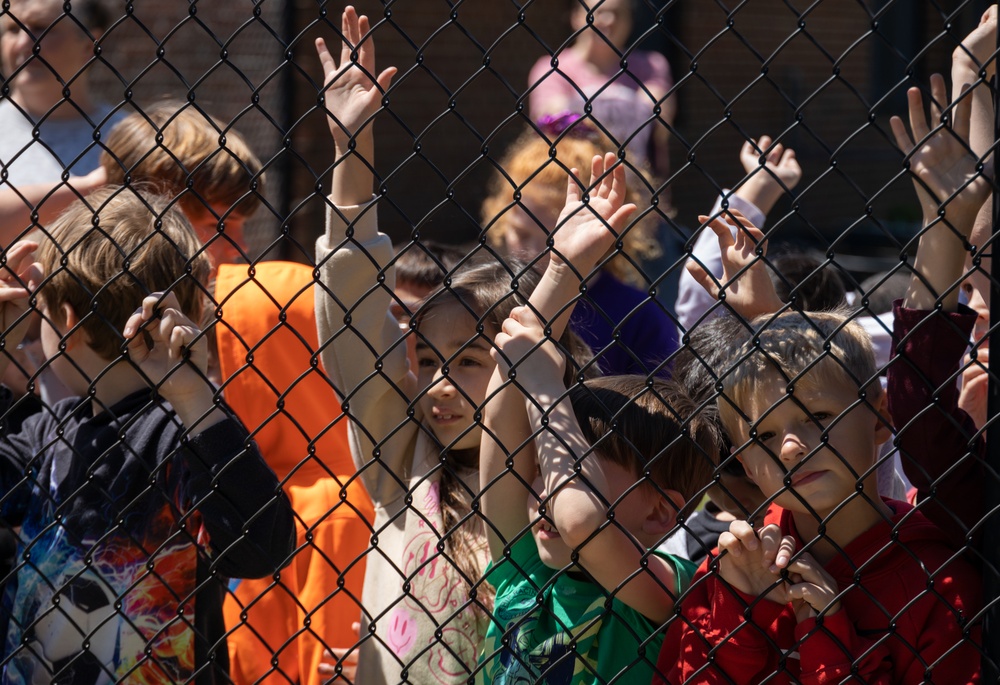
839 583
414 433
136 500
579 593
627 329
261 352
193 159
941 445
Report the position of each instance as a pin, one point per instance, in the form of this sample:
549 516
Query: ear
66 325
662 516
883 429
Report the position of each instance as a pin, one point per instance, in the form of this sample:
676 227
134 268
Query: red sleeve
715 641
938 442
829 648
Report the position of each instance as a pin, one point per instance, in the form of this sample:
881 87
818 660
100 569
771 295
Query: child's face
822 444
630 513
224 249
51 337
528 226
448 338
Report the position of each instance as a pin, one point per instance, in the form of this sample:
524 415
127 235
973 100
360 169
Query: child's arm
939 446
583 234
951 190
248 518
362 348
577 486
771 172
41 203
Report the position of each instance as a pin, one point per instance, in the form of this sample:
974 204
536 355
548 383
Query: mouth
546 531
804 478
444 417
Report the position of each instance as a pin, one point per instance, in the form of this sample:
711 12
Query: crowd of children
501 464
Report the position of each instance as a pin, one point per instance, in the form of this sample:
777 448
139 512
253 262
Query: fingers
939 98
573 194
744 532
721 230
901 135
702 278
325 58
918 122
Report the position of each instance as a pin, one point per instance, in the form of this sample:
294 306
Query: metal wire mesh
496 426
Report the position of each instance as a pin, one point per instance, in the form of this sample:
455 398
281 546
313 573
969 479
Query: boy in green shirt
578 486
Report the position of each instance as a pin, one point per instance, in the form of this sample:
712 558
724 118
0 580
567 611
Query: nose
441 386
793 447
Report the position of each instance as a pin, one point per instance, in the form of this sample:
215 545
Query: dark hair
702 363
649 426
807 281
426 263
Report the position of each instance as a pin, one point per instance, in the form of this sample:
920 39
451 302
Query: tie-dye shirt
123 518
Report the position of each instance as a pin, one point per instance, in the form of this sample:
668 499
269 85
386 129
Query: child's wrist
761 190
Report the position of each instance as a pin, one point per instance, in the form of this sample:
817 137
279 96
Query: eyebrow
462 345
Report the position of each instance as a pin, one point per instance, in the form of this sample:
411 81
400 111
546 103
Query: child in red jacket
838 583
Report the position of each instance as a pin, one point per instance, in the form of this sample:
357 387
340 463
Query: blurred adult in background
623 100
46 48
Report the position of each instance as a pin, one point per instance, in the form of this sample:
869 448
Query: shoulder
649 65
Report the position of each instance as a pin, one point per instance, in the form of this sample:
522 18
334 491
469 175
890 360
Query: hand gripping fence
498 341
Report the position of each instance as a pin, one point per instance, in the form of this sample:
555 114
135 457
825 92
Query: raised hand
168 348
352 91
521 344
19 277
586 231
747 285
768 178
752 561
978 49
940 161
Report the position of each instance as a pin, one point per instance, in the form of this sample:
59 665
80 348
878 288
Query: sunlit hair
813 350
103 256
650 427
485 291
182 152
530 169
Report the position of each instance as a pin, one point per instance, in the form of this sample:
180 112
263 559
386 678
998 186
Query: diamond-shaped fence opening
593 341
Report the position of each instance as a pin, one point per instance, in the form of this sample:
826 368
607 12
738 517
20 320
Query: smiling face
821 441
528 224
453 370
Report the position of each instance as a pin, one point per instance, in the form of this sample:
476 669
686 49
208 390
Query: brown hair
800 348
183 153
534 164
649 426
487 290
102 256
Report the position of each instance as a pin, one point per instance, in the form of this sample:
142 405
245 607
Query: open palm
352 92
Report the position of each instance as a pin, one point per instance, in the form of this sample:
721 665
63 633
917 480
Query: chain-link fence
592 341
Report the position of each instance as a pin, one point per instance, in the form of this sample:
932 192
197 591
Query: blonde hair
812 349
183 153
535 165
103 256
